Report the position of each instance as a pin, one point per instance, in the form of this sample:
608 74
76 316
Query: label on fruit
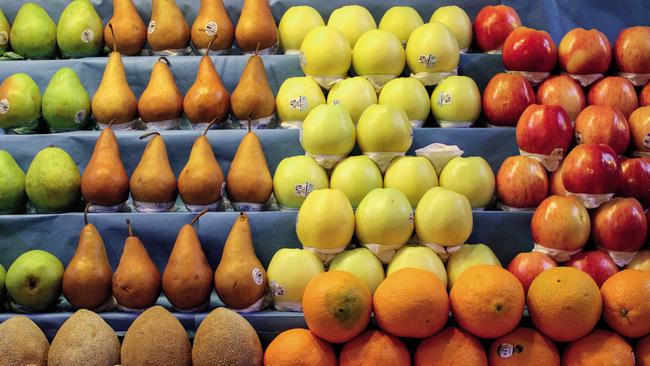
258 276
621 259
4 106
412 217
587 79
559 255
427 60
444 99
4 38
578 138
298 104
80 116
303 189
534 77
646 141
327 82
505 350
87 36
152 27
276 289
211 28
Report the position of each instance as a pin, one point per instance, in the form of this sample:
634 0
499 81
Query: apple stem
128 226
205 132
197 217
86 212
149 134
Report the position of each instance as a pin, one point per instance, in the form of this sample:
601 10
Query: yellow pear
168 29
240 279
253 97
212 20
161 100
256 27
129 28
153 184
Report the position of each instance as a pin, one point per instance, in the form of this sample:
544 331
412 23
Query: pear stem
165 60
111 123
212 123
110 26
128 226
196 218
86 212
207 51
257 49
149 134
250 117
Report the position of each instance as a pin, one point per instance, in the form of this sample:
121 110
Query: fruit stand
506 233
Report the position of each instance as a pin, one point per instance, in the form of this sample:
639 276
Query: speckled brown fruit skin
22 343
156 338
224 338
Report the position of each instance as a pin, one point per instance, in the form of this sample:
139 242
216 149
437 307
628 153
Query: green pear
33 34
412 175
53 181
361 263
2 282
356 176
5 28
20 102
469 255
354 94
295 178
66 105
289 272
34 279
12 185
416 256
472 177
80 32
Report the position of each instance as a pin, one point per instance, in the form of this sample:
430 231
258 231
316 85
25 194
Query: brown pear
104 181
201 180
256 28
212 20
153 180
187 279
161 100
137 280
240 278
168 29
253 97
207 99
114 99
249 179
87 279
129 28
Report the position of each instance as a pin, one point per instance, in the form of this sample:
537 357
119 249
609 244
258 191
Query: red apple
521 182
614 91
564 91
556 187
561 222
640 129
544 129
601 124
632 50
584 52
528 49
506 97
596 263
492 26
644 96
620 225
527 266
591 169
635 182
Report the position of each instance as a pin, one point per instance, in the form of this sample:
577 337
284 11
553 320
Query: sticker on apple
646 141
223 189
4 38
299 104
80 116
258 276
427 60
336 102
505 350
152 27
412 217
578 138
444 99
276 289
87 36
4 106
303 190
211 28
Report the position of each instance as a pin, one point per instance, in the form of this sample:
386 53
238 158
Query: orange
626 302
299 347
451 347
375 347
337 306
524 346
411 303
642 352
487 301
564 303
600 348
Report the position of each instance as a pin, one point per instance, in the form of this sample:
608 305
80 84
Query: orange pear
153 180
212 20
168 29
161 100
128 26
253 97
256 28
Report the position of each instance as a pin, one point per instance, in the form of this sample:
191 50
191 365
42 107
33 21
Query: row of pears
187 281
80 32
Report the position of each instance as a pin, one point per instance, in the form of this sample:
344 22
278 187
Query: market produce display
342 212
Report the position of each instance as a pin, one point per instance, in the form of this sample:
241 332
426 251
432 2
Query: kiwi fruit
22 343
85 340
156 338
225 338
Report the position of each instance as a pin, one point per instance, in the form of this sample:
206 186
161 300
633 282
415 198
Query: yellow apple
361 263
469 255
472 177
352 21
356 176
354 94
411 175
416 256
294 25
401 21
458 22
456 101
443 217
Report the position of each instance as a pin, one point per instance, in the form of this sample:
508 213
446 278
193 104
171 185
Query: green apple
384 222
328 134
353 21
469 255
472 177
296 98
443 218
354 94
289 272
34 279
432 48
366 60
411 175
2 282
410 94
384 128
361 263
401 21
294 25
325 53
458 22
295 178
456 102
417 256
356 176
